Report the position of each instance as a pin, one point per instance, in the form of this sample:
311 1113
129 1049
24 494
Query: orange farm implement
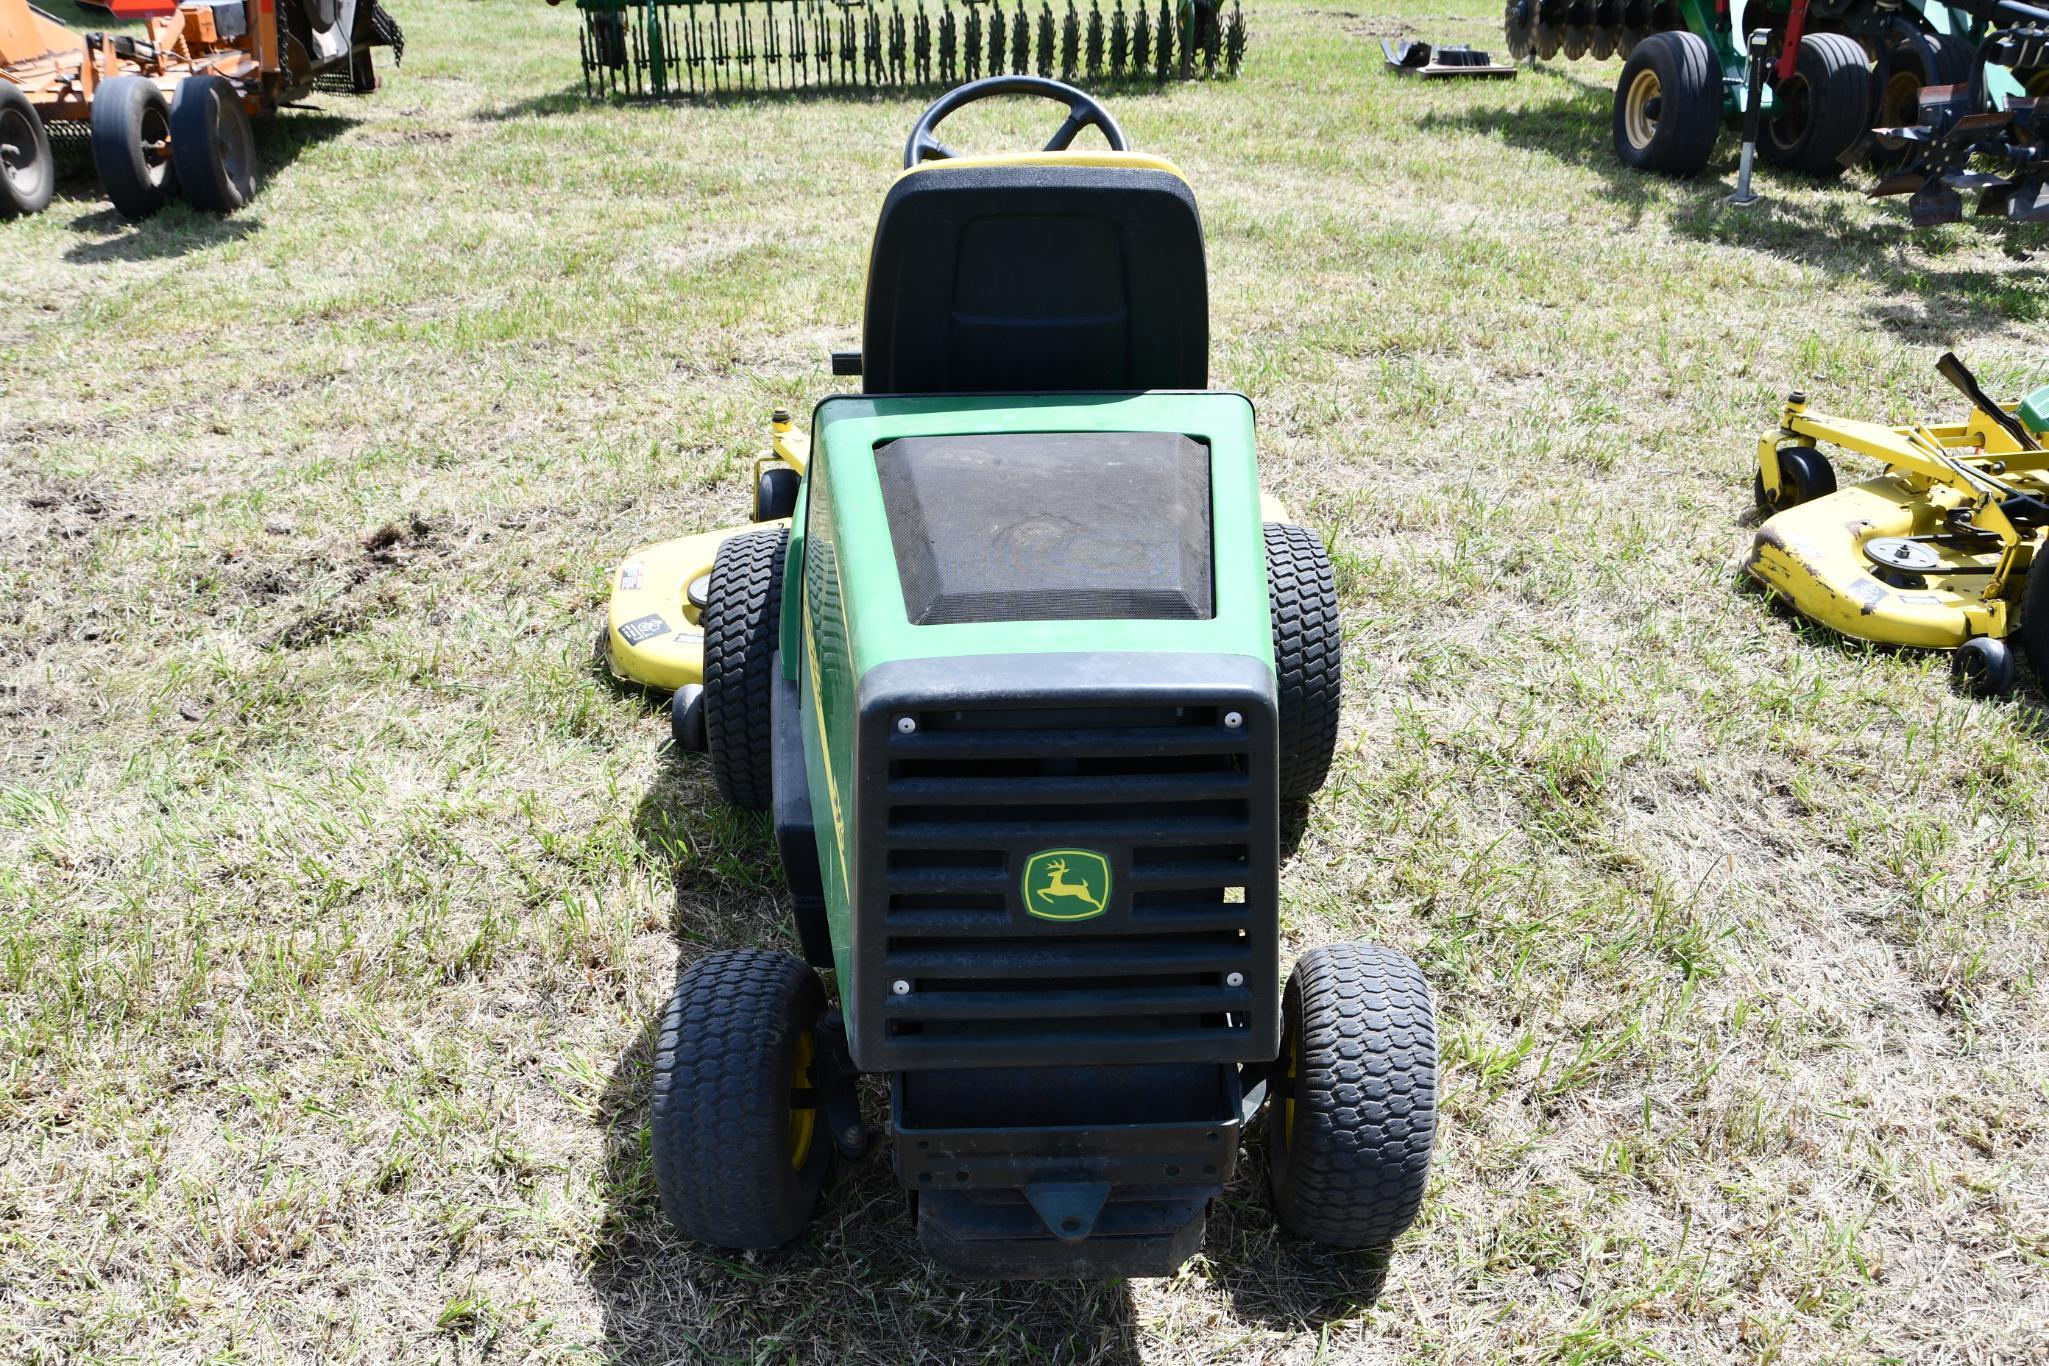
167 111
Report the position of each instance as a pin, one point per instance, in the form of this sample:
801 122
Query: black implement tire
1804 475
212 145
1354 1112
1668 105
1308 656
1983 667
131 134
737 1161
1823 109
775 495
742 616
27 173
686 718
2033 629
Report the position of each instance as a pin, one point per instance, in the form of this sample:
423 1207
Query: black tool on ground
1436 63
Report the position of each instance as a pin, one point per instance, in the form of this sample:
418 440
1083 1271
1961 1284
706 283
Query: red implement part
140 9
1789 52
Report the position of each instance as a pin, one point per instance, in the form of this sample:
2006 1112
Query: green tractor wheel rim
1640 108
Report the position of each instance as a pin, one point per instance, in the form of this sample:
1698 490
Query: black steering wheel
1082 110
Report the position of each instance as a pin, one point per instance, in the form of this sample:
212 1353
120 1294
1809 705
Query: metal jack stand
1744 196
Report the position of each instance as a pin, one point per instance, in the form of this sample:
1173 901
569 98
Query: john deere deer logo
1066 884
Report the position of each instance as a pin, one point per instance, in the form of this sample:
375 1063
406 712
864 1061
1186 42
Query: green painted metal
668 49
789 629
2034 412
848 611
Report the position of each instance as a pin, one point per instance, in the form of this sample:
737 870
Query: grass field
339 890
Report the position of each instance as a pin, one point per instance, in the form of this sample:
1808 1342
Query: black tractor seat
1039 273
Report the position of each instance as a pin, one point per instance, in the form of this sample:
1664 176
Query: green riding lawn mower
1025 668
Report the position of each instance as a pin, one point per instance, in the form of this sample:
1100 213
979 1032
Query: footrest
1065 1171
999 1236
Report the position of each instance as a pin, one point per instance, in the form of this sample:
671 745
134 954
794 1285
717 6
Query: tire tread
742 619
719 1123
1308 642
1366 1098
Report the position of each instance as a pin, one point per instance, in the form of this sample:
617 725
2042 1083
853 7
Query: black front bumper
1037 1172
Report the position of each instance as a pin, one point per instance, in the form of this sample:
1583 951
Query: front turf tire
1668 105
742 617
1308 656
1353 1114
740 1146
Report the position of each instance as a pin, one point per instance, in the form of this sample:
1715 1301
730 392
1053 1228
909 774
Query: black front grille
1180 963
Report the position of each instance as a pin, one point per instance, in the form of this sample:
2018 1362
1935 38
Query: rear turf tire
28 174
2032 634
1668 105
131 132
1824 108
1351 1131
1308 656
740 1147
742 616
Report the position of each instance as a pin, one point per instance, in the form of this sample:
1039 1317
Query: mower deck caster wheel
1983 667
212 146
1804 475
27 174
686 718
131 145
776 495
1354 1111
739 1152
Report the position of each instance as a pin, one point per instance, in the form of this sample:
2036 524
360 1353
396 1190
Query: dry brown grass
338 891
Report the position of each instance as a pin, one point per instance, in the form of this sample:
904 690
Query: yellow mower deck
1933 553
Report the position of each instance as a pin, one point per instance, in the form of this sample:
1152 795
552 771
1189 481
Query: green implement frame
1836 82
660 49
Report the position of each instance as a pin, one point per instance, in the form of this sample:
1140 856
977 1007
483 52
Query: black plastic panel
1050 526
1036 279
1128 756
